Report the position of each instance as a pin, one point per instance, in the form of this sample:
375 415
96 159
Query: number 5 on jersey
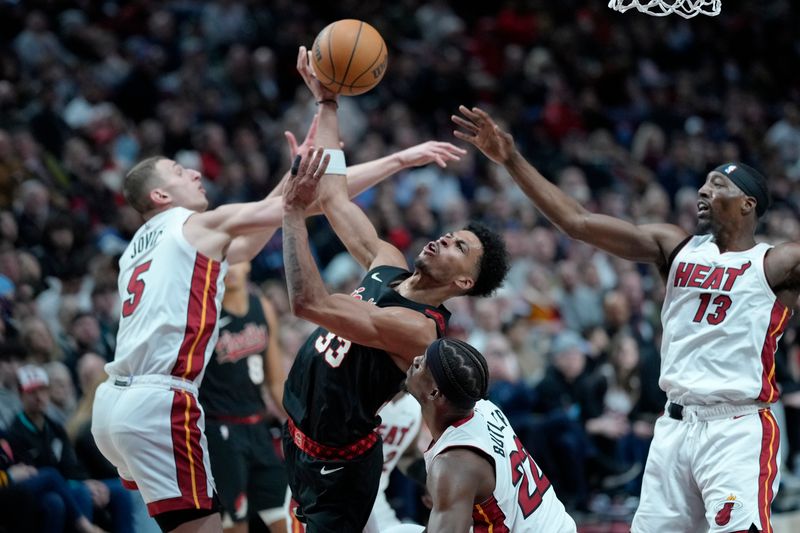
135 289
323 346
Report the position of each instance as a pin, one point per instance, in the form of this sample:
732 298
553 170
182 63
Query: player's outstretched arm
652 243
456 478
402 332
274 371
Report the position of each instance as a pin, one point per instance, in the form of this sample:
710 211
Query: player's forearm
303 280
560 208
328 128
365 175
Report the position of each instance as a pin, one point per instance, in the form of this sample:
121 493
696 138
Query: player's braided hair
459 370
493 266
137 184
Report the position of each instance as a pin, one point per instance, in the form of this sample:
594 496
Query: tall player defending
714 459
355 361
146 418
480 477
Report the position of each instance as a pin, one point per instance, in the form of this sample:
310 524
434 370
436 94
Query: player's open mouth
702 209
431 248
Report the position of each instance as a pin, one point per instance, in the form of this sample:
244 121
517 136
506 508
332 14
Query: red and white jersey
400 422
722 322
523 499
171 296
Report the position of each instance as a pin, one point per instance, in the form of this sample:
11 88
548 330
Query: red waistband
320 451
247 420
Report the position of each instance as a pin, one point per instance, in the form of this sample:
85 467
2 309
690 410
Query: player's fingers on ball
301 54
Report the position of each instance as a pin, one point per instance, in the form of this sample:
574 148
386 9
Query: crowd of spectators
626 112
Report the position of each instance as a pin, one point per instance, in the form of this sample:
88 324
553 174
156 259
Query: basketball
349 57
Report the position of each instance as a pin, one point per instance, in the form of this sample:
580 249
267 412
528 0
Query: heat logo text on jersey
146 241
496 431
393 435
706 277
232 346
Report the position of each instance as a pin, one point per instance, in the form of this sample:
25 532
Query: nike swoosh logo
325 471
224 321
376 278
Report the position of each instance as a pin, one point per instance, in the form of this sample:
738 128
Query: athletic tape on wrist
337 164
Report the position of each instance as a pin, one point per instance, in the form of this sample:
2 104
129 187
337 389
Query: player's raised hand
308 142
478 129
429 152
307 72
301 188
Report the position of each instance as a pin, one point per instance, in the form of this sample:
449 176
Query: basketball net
661 8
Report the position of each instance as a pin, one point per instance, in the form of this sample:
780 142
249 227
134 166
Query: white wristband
337 164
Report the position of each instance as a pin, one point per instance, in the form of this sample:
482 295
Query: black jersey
336 387
234 376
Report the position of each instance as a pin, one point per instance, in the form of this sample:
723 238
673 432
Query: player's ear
159 197
748 205
464 283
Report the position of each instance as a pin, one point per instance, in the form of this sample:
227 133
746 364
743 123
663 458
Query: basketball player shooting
713 463
356 360
146 420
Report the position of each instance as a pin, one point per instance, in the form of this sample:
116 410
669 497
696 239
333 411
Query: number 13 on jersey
333 358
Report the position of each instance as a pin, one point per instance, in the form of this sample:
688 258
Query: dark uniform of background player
355 363
338 405
251 479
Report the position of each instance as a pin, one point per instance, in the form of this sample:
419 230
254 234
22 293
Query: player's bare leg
208 524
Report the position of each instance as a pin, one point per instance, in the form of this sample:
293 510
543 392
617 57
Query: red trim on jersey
297 525
487 517
188 454
130 485
320 451
439 319
768 467
201 317
777 323
463 421
172 504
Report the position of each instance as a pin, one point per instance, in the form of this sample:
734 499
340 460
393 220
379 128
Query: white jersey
400 423
523 499
171 296
722 323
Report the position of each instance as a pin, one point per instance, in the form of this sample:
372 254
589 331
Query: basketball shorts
249 476
151 429
331 495
714 469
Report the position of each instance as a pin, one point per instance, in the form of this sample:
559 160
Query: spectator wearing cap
38 440
562 445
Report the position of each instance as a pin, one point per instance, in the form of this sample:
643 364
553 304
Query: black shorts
333 496
249 475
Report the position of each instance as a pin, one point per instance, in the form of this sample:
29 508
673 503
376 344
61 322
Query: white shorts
715 470
152 429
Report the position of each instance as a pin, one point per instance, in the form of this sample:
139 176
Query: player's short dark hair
493 265
460 371
137 184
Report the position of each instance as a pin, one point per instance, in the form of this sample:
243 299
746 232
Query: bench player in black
356 360
251 478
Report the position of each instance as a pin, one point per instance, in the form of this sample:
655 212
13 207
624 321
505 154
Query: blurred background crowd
627 113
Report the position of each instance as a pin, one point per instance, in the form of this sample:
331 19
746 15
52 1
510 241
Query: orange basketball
349 57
